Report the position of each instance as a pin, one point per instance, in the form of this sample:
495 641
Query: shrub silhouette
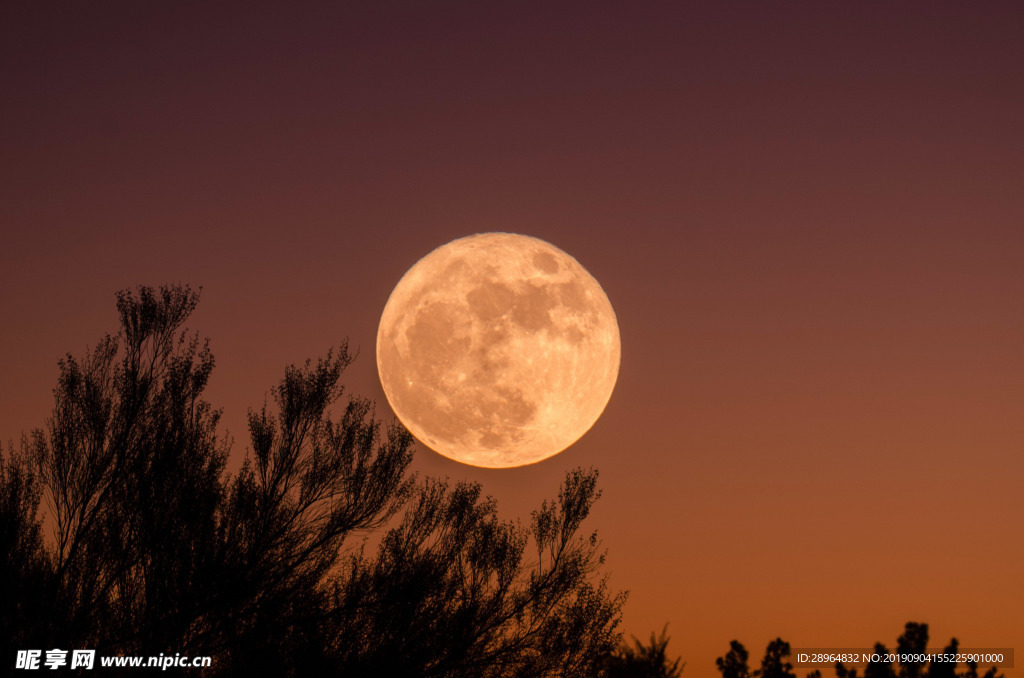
913 641
644 661
734 664
156 549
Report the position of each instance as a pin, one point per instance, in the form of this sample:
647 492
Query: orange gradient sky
808 216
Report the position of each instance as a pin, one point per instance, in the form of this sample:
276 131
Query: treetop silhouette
913 642
157 549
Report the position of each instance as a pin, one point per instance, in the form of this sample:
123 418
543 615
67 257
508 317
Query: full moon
498 350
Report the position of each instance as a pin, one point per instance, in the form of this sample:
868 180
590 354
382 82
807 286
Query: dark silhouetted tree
775 664
130 466
734 663
24 568
156 549
883 668
945 669
637 660
461 600
843 672
913 641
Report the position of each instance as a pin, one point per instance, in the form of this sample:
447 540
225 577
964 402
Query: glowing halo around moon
498 350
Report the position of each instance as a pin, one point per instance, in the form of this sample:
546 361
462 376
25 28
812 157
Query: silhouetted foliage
913 641
458 598
637 660
774 664
156 549
842 671
24 569
880 669
734 663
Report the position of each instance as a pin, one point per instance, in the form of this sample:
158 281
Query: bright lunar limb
498 350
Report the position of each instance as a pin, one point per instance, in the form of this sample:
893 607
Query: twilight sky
808 216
